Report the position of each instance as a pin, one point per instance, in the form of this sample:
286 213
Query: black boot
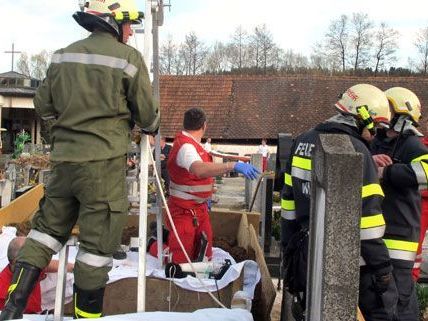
25 277
88 304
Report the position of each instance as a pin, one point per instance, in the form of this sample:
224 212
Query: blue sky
46 24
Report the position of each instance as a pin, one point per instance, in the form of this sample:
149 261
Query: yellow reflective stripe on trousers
80 313
13 286
372 189
303 163
372 221
288 205
287 180
401 245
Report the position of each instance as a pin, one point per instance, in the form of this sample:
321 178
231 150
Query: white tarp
199 315
129 268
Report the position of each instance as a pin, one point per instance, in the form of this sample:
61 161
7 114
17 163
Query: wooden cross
13 52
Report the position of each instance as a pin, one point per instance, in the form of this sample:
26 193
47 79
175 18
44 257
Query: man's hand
382 160
248 170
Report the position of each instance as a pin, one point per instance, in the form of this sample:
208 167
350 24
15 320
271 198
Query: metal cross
13 52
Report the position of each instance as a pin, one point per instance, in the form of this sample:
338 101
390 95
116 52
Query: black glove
381 282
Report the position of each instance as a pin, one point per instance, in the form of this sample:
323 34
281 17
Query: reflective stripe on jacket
402 182
95 90
296 194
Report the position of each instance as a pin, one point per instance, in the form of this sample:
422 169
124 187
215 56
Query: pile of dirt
238 253
128 232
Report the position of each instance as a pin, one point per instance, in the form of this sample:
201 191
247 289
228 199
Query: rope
177 236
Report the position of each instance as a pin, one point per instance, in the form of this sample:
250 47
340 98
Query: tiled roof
20 92
15 75
179 93
250 107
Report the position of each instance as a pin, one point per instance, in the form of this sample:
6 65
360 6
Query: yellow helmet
404 101
367 103
108 15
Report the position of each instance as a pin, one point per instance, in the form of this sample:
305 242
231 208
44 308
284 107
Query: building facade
17 111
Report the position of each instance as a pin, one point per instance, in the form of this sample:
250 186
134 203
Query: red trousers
264 164
190 223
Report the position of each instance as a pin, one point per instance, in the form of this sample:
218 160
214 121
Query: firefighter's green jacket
95 89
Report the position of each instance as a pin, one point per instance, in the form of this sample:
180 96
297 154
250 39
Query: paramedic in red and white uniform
191 171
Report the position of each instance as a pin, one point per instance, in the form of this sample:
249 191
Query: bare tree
238 48
168 57
217 58
421 45
361 39
23 64
385 46
277 57
262 46
292 61
179 66
39 64
337 38
194 53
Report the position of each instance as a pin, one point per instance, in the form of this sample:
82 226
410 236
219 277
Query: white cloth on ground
198 315
128 268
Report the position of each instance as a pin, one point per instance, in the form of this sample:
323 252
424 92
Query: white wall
18 102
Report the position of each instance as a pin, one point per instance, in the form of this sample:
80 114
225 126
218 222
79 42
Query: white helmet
108 15
404 101
367 103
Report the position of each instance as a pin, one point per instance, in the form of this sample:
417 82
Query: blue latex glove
248 170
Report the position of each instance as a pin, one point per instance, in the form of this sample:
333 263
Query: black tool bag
296 262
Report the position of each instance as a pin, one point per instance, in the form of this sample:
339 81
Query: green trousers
93 196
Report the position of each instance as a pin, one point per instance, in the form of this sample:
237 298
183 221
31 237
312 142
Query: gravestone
44 175
5 192
334 242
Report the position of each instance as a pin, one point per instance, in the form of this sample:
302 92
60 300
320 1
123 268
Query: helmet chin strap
365 119
120 33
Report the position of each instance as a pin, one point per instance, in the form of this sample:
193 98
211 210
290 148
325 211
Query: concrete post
334 241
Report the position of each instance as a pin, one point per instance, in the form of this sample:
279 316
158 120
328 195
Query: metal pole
156 95
142 230
148 34
144 178
13 54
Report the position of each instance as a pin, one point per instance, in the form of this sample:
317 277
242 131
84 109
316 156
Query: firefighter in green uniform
95 89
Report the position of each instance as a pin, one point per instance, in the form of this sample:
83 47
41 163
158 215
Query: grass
422 294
